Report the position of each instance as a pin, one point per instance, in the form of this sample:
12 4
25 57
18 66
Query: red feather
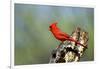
59 35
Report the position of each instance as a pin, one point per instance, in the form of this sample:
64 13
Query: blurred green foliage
34 42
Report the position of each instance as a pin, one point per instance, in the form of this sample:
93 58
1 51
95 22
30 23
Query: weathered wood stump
69 51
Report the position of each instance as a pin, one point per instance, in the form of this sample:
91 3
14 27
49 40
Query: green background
34 42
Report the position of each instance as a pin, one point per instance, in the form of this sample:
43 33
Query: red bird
61 36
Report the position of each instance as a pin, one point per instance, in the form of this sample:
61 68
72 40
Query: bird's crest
53 24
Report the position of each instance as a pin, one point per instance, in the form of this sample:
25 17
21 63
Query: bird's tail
71 39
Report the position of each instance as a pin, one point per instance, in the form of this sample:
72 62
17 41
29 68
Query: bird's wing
64 34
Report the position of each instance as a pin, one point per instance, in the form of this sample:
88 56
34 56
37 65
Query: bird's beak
49 29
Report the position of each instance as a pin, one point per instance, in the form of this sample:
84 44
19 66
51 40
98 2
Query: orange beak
49 29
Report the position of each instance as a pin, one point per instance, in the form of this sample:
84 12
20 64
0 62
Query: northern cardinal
61 36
